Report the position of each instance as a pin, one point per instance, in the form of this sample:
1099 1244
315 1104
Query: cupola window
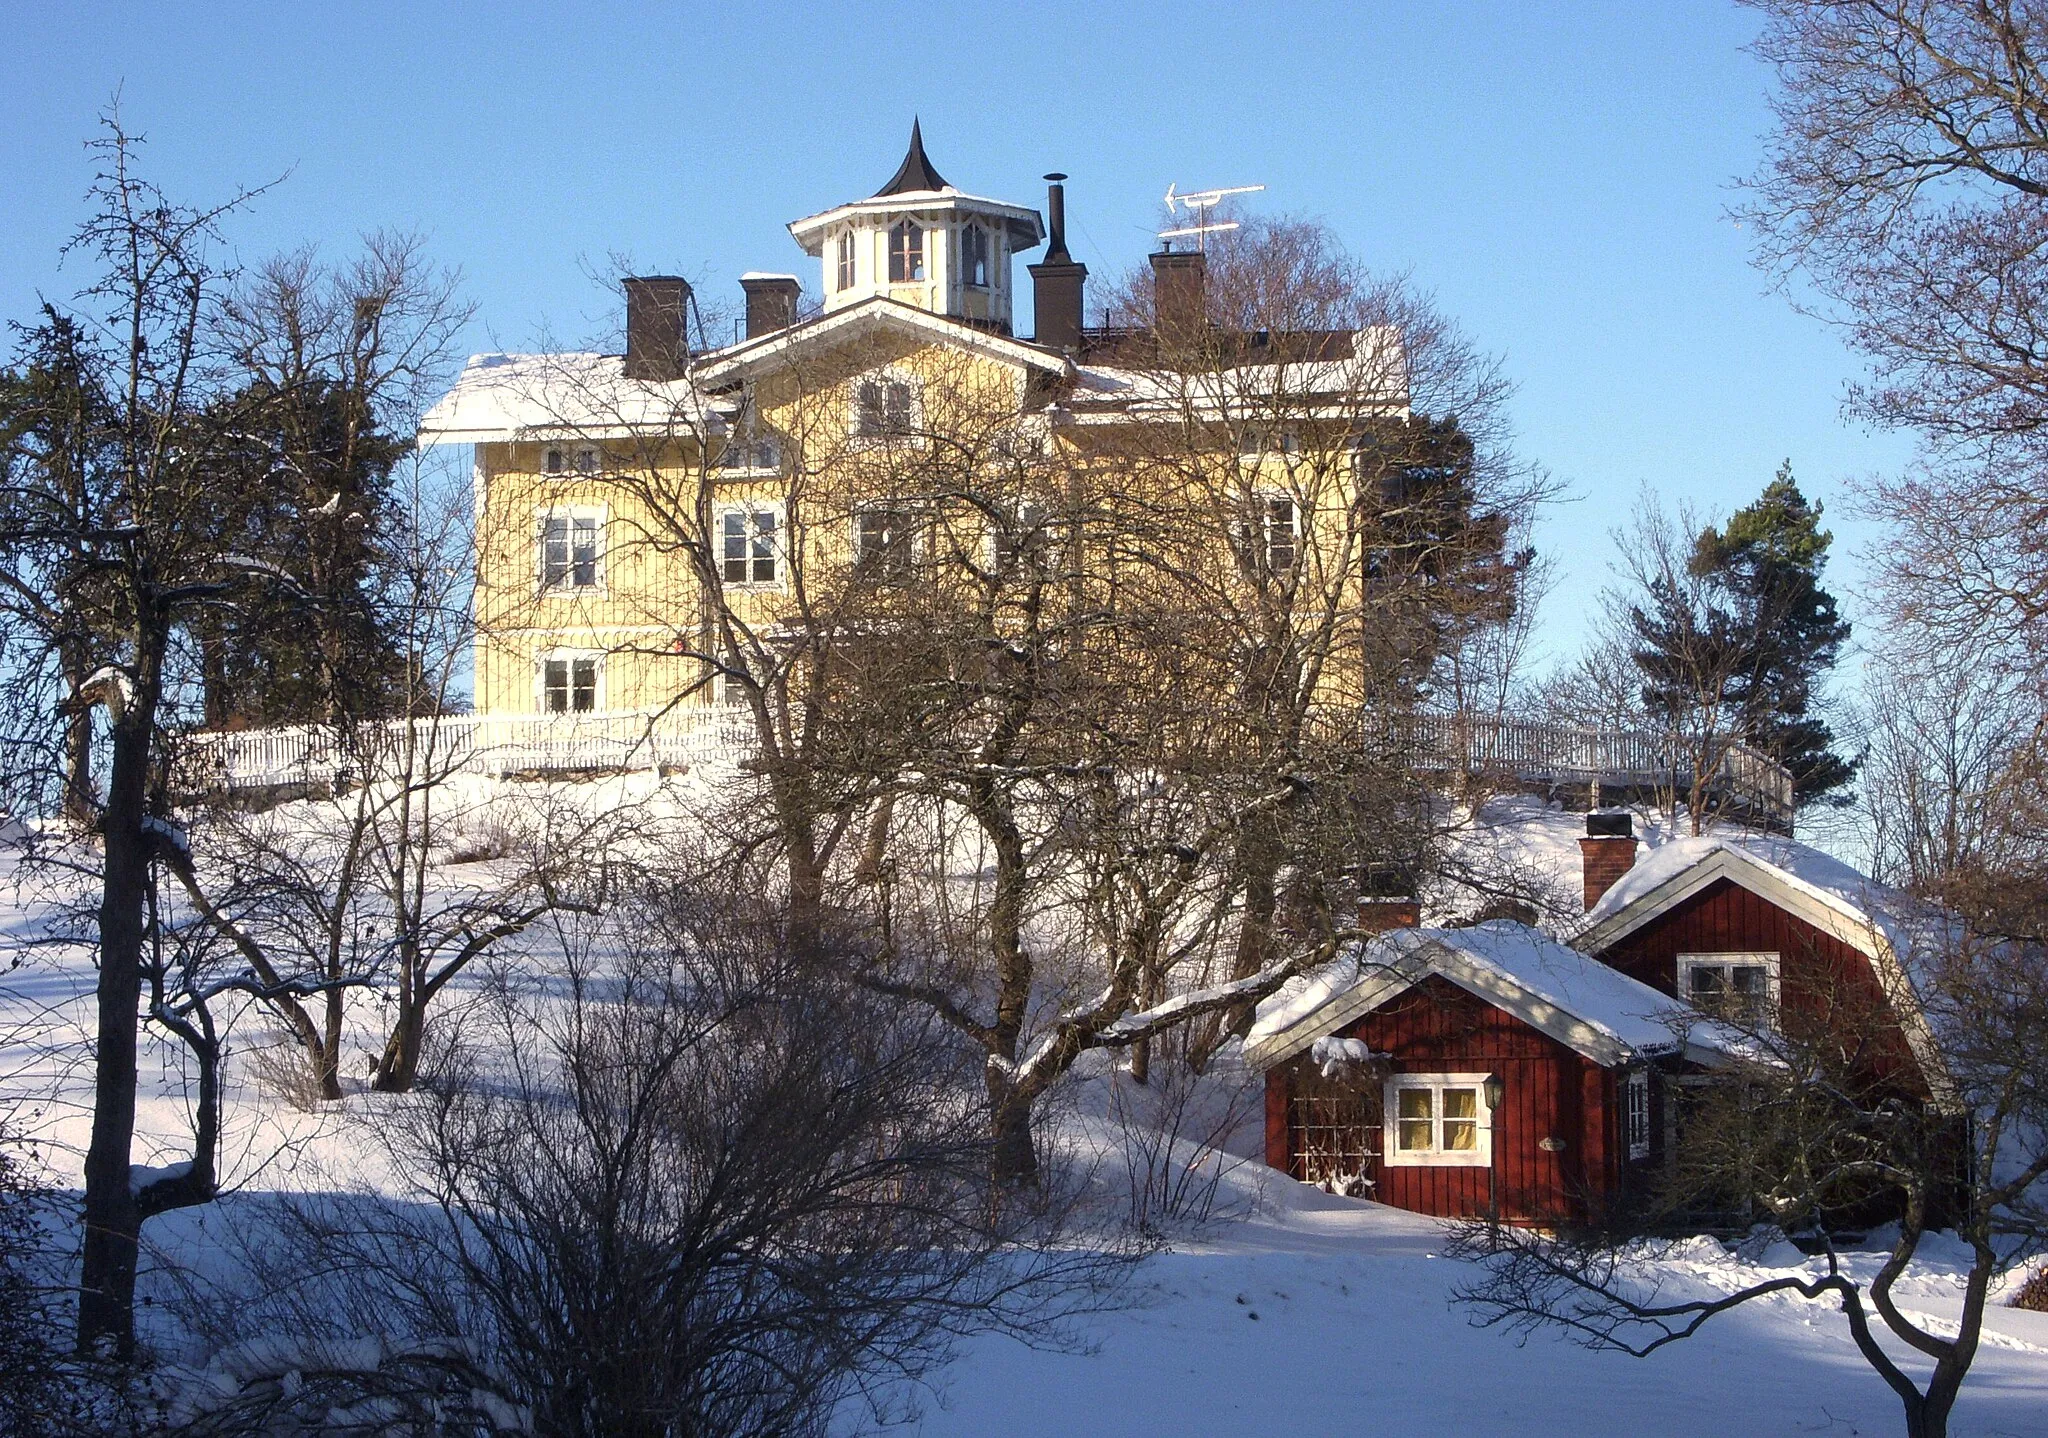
846 259
974 256
906 253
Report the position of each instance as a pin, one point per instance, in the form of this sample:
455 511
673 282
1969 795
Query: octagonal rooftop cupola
920 241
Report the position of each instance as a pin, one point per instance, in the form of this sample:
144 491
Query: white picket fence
1529 751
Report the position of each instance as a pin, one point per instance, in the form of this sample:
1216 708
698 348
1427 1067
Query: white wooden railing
495 744
1534 751
1527 750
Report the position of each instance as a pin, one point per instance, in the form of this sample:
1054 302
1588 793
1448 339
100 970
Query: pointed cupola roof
916 172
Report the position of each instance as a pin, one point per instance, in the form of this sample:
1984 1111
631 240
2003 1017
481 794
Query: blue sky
1557 174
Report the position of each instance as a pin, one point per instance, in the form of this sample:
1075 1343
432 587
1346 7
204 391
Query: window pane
1461 1135
555 685
1707 981
1461 1103
1747 980
586 461
583 682
1416 1103
584 559
869 418
554 551
1413 1135
734 550
764 548
551 462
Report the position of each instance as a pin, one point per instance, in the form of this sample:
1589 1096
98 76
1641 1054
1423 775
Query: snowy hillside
1290 1310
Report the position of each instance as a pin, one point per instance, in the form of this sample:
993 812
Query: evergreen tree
1749 632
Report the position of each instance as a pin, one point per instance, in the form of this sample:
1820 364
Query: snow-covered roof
1576 999
1896 932
1375 373
534 396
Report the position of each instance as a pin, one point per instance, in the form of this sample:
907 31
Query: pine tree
1750 631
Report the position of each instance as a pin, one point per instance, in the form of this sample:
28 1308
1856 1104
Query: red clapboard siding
1822 979
1550 1092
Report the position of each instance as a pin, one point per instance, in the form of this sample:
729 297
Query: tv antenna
1200 204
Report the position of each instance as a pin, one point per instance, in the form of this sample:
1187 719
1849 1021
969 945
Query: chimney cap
1610 825
1055 177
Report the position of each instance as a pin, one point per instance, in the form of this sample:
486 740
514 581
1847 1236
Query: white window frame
570 657
913 419
1259 531
575 461
1635 1113
1025 514
751 537
923 257
970 235
913 540
1391 1151
572 513
844 269
1688 964
759 454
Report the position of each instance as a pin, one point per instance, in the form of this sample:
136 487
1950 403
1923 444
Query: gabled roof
916 172
742 361
1595 1010
1889 928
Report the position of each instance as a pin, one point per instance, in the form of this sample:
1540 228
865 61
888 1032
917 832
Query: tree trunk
113 1219
398 1069
1014 1162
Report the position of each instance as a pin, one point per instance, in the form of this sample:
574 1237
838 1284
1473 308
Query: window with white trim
569 682
884 408
760 454
1272 537
845 260
906 253
884 541
974 266
571 550
1438 1119
1740 987
749 544
1022 533
1635 1092
559 460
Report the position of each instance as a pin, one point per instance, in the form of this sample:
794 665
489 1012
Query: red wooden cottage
1742 920
1461 1071
1471 1070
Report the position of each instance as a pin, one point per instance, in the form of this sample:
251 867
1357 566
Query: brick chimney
657 334
1179 283
1058 279
771 302
1606 853
1386 900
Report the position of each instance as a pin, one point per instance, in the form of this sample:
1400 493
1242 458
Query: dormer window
974 257
906 253
845 258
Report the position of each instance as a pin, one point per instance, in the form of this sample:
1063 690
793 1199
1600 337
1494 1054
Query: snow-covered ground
1292 1311
1309 1313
